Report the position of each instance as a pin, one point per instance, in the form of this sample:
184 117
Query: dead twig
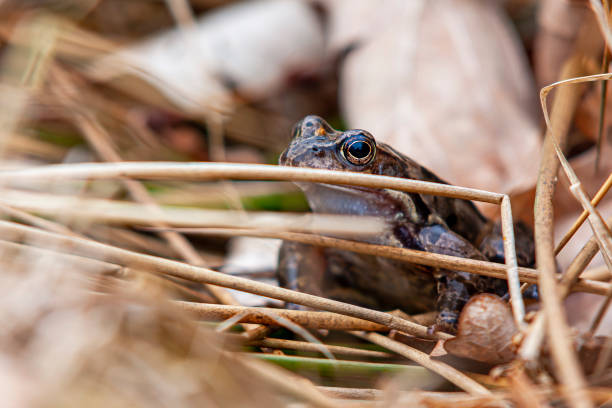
451 374
123 212
603 190
305 346
259 315
562 348
199 171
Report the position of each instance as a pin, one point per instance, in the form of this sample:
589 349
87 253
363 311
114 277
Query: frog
425 222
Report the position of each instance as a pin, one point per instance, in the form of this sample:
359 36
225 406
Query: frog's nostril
315 149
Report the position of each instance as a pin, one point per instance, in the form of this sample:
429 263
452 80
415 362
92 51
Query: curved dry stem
562 349
305 346
451 374
14 252
122 212
199 171
603 190
601 231
283 380
259 315
36 221
297 329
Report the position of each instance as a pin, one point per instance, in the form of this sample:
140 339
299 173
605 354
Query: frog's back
461 216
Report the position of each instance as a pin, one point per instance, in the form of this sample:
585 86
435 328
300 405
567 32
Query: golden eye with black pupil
358 150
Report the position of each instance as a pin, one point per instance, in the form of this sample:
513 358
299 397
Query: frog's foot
452 296
446 321
532 292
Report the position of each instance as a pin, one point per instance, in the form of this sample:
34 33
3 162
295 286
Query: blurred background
453 84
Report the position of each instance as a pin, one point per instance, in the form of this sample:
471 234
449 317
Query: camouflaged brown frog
417 221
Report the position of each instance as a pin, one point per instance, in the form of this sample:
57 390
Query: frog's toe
445 322
532 292
295 306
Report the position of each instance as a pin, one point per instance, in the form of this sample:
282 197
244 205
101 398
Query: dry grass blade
530 348
512 274
259 315
352 393
296 328
231 322
32 236
199 171
418 398
598 197
285 381
453 375
129 239
600 229
563 353
305 346
13 251
122 212
35 220
602 233
604 94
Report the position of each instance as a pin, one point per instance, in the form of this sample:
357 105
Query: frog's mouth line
341 187
342 199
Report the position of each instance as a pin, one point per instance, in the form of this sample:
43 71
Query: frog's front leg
492 246
301 267
454 287
452 296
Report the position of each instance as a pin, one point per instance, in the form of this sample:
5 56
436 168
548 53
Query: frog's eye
359 149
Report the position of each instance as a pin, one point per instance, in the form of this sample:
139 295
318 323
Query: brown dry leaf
238 48
485 331
444 82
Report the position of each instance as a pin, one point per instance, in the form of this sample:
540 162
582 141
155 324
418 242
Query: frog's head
316 144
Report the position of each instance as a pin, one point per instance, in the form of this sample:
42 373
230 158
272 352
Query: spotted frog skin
424 222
